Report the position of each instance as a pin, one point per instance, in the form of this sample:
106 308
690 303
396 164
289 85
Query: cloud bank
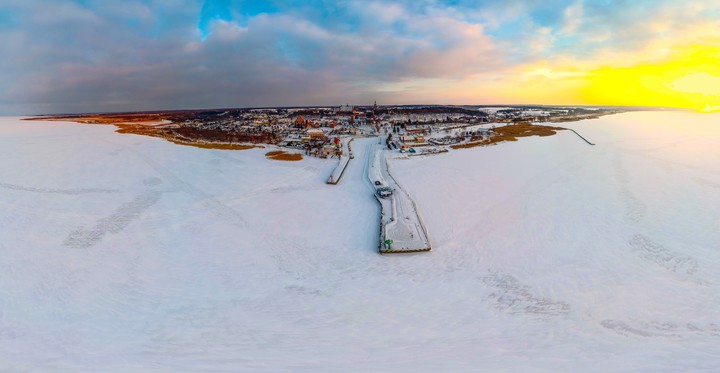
105 55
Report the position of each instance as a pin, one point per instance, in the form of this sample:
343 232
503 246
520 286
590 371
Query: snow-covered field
123 253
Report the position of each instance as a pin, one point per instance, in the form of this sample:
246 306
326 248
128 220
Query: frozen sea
123 253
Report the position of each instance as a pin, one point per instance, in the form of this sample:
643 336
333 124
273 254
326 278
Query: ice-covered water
126 253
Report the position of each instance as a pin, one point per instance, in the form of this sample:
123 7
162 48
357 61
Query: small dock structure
345 157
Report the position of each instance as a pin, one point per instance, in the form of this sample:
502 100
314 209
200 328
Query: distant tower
375 107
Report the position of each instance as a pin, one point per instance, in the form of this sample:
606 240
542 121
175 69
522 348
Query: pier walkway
345 158
401 227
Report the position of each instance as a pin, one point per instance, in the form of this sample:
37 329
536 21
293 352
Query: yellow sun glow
689 78
685 77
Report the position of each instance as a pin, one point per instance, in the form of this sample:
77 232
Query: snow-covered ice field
123 253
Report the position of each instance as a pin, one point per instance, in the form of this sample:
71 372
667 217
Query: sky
68 56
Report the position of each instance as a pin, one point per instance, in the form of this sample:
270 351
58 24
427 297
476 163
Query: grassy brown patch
511 133
169 135
281 155
147 125
217 146
139 129
136 118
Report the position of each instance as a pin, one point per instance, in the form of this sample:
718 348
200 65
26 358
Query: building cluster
316 130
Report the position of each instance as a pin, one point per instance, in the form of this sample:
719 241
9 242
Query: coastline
167 125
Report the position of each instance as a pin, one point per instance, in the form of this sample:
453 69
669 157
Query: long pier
401 228
579 135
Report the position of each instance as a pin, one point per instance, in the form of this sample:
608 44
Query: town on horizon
316 131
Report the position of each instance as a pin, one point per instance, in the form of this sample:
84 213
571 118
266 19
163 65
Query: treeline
432 110
218 135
